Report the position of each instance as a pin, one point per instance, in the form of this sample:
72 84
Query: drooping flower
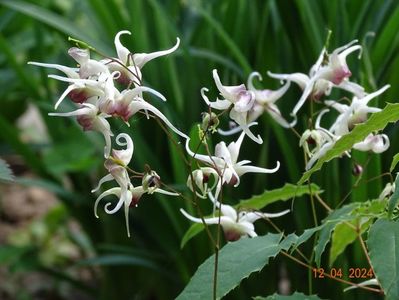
355 113
79 89
128 195
127 198
388 190
203 181
236 98
234 224
323 76
225 161
265 101
376 143
90 118
130 64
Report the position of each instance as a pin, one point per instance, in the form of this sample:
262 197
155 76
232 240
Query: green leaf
336 217
11 254
74 154
56 21
376 122
394 200
363 216
288 191
117 260
383 245
342 236
294 296
190 233
5 172
237 260
395 161
294 241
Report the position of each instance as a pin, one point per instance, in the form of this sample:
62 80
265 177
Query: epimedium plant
113 87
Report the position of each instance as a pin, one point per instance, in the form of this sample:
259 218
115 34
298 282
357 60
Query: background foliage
235 37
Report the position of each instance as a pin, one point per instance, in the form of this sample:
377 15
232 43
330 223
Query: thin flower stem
359 236
284 235
189 164
321 201
331 277
295 132
356 184
312 204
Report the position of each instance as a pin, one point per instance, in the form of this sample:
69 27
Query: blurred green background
51 245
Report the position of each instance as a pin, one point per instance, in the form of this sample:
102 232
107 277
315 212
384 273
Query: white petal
124 155
142 105
106 178
140 59
210 221
122 51
299 78
137 91
373 281
70 72
218 104
275 113
114 191
201 157
241 170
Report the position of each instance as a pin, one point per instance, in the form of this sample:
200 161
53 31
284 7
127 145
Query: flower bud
151 181
210 122
357 170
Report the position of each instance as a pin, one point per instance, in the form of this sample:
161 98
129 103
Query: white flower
225 161
324 141
234 224
239 99
376 143
133 62
88 68
322 78
79 90
355 113
202 178
388 190
127 198
90 118
265 101
128 195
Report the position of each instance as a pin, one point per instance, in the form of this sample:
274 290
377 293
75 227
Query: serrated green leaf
5 172
251 253
336 217
395 161
190 233
342 236
394 200
294 241
294 296
383 245
376 122
288 191
363 217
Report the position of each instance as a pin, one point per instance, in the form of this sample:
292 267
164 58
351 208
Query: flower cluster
94 88
112 87
246 104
